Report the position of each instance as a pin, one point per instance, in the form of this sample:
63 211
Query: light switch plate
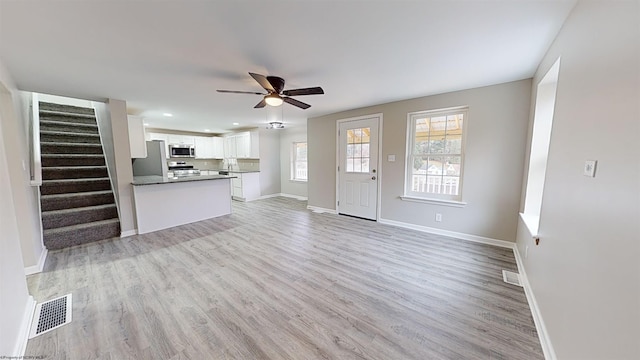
391 158
590 168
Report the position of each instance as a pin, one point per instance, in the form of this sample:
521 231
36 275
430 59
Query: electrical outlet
438 217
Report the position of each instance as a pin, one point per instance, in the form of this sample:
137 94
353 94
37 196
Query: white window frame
294 160
442 199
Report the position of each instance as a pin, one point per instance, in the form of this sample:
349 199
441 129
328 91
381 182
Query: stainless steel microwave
181 150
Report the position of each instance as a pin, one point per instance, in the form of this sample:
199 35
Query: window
299 162
435 154
542 124
358 150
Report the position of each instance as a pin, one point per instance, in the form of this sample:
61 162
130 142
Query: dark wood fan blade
262 80
295 102
239 92
306 91
261 104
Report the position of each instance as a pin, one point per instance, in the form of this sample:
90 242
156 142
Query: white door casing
358 167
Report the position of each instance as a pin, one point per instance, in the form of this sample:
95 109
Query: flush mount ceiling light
236 124
275 125
167 114
273 99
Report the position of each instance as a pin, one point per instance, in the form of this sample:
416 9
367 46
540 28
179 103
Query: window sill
532 222
434 201
298 181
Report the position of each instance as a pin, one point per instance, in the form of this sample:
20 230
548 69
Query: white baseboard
301 198
23 334
543 335
297 197
462 236
129 233
39 266
321 210
268 196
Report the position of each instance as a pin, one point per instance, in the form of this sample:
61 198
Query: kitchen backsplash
241 164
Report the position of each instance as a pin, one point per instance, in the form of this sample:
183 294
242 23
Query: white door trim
379 116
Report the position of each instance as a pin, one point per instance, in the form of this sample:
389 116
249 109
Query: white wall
15 303
494 159
287 137
14 108
117 110
585 273
269 141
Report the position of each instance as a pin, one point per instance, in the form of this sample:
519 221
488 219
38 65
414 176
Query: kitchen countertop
239 171
157 179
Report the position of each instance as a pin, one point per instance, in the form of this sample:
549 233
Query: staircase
77 202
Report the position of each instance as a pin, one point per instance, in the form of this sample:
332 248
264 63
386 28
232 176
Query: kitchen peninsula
163 202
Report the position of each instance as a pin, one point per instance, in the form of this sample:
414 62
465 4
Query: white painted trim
434 201
269 196
321 210
25 328
458 235
129 233
39 266
301 198
543 334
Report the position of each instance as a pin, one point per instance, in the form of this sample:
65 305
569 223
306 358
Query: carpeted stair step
49 160
50 187
67 236
69 148
67 118
74 172
63 126
47 106
67 217
76 200
67 137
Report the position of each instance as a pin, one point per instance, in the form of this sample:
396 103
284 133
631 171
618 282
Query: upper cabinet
137 141
208 147
242 145
181 139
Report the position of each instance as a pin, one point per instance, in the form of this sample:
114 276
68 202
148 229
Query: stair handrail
36 158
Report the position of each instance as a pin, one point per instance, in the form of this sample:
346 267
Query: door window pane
357 154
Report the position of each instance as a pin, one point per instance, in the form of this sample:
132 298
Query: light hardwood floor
276 281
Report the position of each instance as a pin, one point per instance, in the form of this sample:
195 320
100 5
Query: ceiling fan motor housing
277 83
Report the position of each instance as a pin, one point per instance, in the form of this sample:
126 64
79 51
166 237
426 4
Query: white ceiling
171 56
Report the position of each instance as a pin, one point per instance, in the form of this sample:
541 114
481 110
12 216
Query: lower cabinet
246 186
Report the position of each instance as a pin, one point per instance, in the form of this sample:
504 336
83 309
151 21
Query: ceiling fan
274 97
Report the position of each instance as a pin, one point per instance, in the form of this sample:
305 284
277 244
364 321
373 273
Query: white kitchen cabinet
242 145
246 187
137 139
208 147
230 147
181 139
203 147
218 152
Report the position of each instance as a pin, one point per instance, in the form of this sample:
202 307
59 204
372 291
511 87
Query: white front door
358 167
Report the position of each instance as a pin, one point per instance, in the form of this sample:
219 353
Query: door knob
373 178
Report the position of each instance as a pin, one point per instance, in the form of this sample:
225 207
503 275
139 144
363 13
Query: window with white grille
435 154
299 161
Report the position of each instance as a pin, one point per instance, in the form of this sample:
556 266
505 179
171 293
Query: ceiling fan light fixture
275 125
273 99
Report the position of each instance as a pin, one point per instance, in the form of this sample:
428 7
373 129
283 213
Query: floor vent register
511 277
50 315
